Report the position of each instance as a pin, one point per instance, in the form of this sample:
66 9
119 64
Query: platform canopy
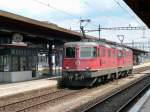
141 8
11 23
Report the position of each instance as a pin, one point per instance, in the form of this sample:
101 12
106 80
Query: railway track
48 99
36 102
120 100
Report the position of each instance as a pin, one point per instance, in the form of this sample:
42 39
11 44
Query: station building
30 48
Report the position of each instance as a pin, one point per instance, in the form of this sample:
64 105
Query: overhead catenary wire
59 10
87 4
118 3
125 10
117 28
90 6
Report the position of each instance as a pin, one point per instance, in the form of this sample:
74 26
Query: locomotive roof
81 43
89 44
94 44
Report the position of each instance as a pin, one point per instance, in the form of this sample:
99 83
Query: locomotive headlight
87 68
67 67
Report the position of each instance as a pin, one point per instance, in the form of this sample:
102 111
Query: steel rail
48 101
90 107
33 99
123 107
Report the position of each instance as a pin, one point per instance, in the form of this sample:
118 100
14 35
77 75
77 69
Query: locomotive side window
70 52
109 53
103 51
98 52
120 54
87 52
124 53
114 53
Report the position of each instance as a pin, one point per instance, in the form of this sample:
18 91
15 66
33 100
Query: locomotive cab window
87 52
70 52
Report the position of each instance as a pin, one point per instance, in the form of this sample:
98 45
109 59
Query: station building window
43 60
4 63
18 59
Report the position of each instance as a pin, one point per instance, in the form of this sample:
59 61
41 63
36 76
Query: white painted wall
1 76
21 76
7 76
15 76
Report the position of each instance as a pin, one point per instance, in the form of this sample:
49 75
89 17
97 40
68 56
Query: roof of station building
141 8
11 22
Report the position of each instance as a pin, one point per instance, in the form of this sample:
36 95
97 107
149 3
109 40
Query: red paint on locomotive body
97 58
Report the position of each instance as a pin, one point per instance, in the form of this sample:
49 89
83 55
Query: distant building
144 45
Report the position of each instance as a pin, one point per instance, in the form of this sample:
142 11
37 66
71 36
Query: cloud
70 6
100 5
38 7
22 6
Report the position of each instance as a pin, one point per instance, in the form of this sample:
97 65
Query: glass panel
103 50
15 63
109 52
1 64
87 52
114 53
124 53
93 51
23 64
6 63
120 54
98 52
70 52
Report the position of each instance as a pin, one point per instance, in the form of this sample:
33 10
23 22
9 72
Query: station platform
13 92
14 88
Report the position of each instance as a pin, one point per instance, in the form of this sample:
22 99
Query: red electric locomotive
86 63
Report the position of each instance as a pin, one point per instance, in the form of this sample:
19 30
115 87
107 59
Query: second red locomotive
87 63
